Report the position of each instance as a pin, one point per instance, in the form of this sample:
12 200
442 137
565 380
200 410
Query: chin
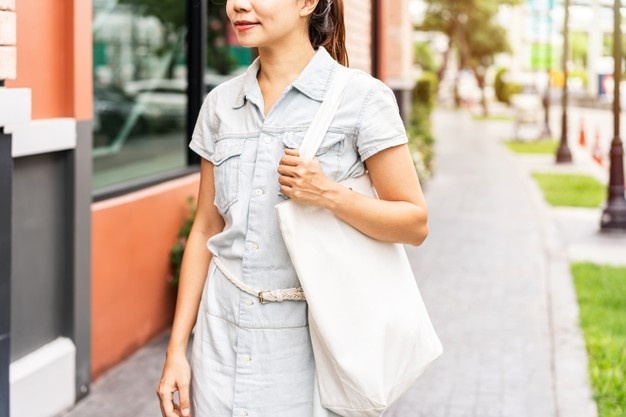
247 42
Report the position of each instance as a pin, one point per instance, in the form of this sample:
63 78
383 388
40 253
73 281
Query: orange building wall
131 299
55 56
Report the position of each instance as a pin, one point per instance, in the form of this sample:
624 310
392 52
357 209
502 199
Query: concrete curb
572 389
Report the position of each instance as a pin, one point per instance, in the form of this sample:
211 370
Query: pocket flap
227 148
293 140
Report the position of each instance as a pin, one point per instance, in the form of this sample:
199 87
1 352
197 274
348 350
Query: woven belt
264 296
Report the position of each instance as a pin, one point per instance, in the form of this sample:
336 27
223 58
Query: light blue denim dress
253 359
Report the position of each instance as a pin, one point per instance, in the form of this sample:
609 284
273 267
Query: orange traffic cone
596 151
582 140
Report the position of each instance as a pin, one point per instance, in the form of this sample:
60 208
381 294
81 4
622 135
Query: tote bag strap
316 132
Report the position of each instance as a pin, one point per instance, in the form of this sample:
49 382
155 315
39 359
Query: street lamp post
614 213
563 154
546 133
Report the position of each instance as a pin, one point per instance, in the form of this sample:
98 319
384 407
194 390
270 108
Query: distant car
146 106
163 102
112 107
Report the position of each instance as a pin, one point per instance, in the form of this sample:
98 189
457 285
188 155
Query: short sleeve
379 126
202 140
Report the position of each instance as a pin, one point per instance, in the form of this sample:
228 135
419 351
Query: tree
471 28
423 56
484 39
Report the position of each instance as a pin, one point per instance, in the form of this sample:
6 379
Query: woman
252 358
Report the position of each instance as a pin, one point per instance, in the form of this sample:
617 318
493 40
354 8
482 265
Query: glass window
140 84
225 58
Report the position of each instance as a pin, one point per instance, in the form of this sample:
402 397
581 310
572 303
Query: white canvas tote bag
370 331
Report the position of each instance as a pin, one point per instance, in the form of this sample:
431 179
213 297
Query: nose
240 5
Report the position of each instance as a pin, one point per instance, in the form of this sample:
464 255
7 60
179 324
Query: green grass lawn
548 146
601 292
572 190
493 117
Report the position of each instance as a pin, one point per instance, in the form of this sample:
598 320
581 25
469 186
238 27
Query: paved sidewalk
129 389
493 273
488 272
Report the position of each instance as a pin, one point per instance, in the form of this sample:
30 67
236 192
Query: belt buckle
262 299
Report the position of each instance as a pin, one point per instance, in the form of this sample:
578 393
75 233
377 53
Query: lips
245 24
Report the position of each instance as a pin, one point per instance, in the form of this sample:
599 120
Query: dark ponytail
327 29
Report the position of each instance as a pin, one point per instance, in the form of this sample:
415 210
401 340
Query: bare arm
196 259
194 268
400 215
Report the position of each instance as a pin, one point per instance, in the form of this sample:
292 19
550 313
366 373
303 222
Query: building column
396 52
8 52
6 181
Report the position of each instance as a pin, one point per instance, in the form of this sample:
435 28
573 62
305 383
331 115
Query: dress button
248 358
254 246
243 413
249 303
268 140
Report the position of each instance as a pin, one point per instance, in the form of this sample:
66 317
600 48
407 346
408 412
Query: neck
283 65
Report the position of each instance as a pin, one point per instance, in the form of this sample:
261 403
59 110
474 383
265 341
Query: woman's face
260 23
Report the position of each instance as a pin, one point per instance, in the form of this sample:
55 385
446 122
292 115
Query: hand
176 377
302 180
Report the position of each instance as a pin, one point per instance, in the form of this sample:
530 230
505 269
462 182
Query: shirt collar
313 81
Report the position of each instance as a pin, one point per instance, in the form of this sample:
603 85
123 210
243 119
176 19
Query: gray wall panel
6 185
41 273
4 376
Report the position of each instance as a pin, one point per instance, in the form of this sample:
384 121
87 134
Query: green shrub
177 251
419 131
423 56
504 89
499 85
425 90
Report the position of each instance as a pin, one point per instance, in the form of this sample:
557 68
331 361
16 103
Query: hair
327 29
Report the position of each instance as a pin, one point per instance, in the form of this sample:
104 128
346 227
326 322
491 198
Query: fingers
166 400
287 181
292 152
183 395
290 160
287 170
286 191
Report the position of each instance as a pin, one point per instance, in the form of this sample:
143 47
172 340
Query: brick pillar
396 51
7 71
358 18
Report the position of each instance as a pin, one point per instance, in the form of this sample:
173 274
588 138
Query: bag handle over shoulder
324 116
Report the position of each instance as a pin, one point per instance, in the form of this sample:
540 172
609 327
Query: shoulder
367 88
226 91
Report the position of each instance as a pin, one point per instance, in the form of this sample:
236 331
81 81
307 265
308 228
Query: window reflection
140 83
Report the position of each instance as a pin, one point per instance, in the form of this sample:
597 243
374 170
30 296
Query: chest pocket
226 159
329 153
